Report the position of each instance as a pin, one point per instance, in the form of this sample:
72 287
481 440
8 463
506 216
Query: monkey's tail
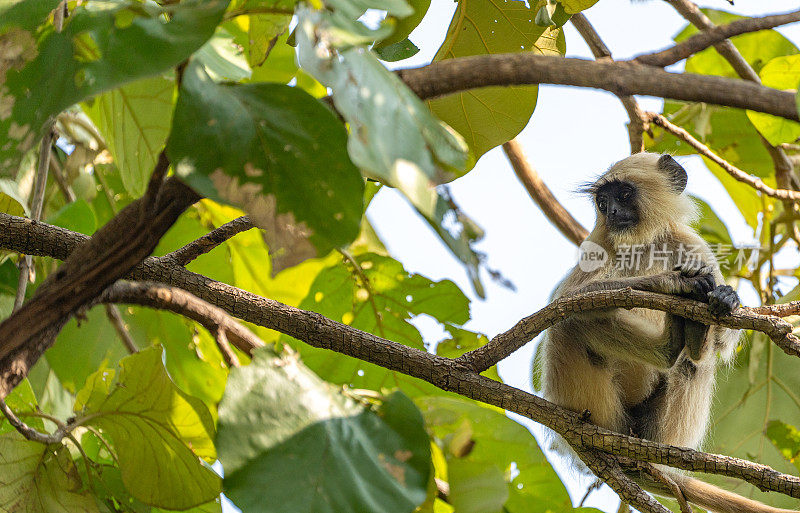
713 498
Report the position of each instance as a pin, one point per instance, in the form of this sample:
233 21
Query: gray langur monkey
639 371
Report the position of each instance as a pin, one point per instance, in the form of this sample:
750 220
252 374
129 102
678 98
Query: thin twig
165 297
209 241
661 477
541 194
592 487
122 331
600 52
225 348
37 205
29 432
61 180
712 36
735 172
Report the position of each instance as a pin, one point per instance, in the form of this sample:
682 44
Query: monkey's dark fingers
723 300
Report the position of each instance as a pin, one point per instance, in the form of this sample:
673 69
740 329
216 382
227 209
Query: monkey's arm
685 282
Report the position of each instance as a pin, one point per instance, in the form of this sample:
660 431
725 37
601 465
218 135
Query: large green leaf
573 6
153 425
276 152
786 439
379 297
394 138
134 120
490 116
743 409
480 445
780 73
11 202
757 48
37 479
22 399
290 442
92 54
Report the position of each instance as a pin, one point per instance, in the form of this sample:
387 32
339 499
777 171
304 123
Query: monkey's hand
722 301
694 281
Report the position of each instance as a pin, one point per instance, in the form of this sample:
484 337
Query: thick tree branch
541 194
600 52
164 297
19 234
108 255
735 172
621 78
712 36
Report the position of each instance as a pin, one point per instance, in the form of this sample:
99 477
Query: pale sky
574 135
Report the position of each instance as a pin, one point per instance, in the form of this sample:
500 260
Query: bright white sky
574 134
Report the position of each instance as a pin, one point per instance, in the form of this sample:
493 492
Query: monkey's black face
617 202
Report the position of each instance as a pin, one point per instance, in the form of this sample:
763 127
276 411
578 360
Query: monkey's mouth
621 225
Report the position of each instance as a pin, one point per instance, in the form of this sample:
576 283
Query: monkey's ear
674 171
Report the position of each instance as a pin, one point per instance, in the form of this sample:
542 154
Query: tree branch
108 255
601 51
29 432
541 194
693 14
19 234
210 241
621 78
164 297
735 172
712 36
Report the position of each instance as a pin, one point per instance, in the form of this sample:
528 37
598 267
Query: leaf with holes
490 116
277 153
158 432
283 426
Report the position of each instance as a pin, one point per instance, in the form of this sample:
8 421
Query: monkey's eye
625 195
601 204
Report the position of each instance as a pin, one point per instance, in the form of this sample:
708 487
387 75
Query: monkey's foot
722 301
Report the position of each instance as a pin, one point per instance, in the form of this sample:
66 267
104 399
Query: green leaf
83 347
134 120
76 216
92 54
404 26
716 234
481 444
757 48
743 409
779 73
11 201
223 58
393 136
573 6
153 425
397 51
20 400
379 297
786 439
39 480
283 432
276 152
490 116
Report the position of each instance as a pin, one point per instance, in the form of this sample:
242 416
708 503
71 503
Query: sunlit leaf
134 120
779 73
37 479
490 116
151 423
